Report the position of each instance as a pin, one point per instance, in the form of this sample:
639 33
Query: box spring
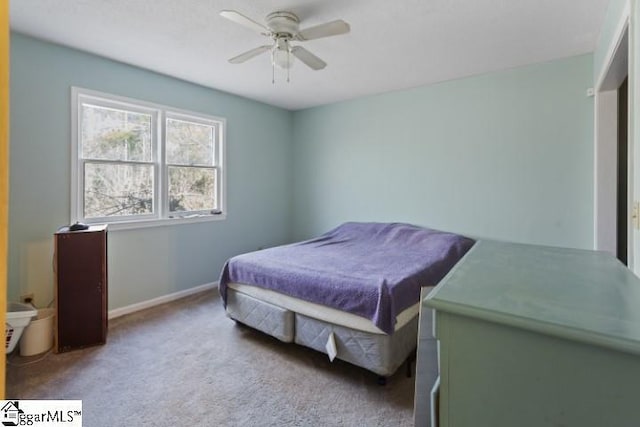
379 353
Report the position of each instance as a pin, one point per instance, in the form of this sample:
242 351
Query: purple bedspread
374 270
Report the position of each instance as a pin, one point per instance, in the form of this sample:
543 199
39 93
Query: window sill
163 222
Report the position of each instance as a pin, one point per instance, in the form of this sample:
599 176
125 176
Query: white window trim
163 217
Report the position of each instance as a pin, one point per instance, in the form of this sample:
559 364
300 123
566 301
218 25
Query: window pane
112 134
189 143
192 189
117 189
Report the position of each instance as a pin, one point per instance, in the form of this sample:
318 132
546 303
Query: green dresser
534 336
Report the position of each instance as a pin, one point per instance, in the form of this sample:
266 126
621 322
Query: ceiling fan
283 28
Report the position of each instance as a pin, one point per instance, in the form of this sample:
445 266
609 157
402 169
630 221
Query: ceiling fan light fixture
282 58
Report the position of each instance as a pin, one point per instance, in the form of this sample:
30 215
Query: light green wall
143 263
507 155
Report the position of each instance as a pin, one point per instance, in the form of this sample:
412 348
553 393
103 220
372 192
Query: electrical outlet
27 298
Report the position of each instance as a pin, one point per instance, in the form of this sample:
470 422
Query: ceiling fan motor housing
283 24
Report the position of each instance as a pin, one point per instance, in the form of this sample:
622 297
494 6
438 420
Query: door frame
615 70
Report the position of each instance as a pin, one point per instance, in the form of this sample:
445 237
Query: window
139 163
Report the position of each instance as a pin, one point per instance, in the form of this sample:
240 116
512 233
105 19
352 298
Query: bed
352 293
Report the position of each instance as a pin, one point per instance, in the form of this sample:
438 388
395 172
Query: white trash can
38 336
18 316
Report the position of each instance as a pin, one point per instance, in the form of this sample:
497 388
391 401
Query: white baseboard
117 312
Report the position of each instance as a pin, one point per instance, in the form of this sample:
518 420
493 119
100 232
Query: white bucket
38 336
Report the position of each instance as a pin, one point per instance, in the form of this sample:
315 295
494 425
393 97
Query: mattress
370 270
320 312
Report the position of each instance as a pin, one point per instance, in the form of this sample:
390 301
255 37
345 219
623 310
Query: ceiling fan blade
239 18
333 28
249 54
308 58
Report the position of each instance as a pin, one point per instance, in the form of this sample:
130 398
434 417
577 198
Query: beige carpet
187 364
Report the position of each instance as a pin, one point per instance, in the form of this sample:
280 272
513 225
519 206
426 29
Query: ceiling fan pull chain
273 68
288 62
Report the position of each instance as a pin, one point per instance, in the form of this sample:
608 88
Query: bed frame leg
382 380
410 359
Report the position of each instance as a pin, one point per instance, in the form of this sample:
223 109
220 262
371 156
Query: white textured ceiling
392 45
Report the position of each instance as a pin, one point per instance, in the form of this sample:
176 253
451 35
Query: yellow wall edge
4 171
